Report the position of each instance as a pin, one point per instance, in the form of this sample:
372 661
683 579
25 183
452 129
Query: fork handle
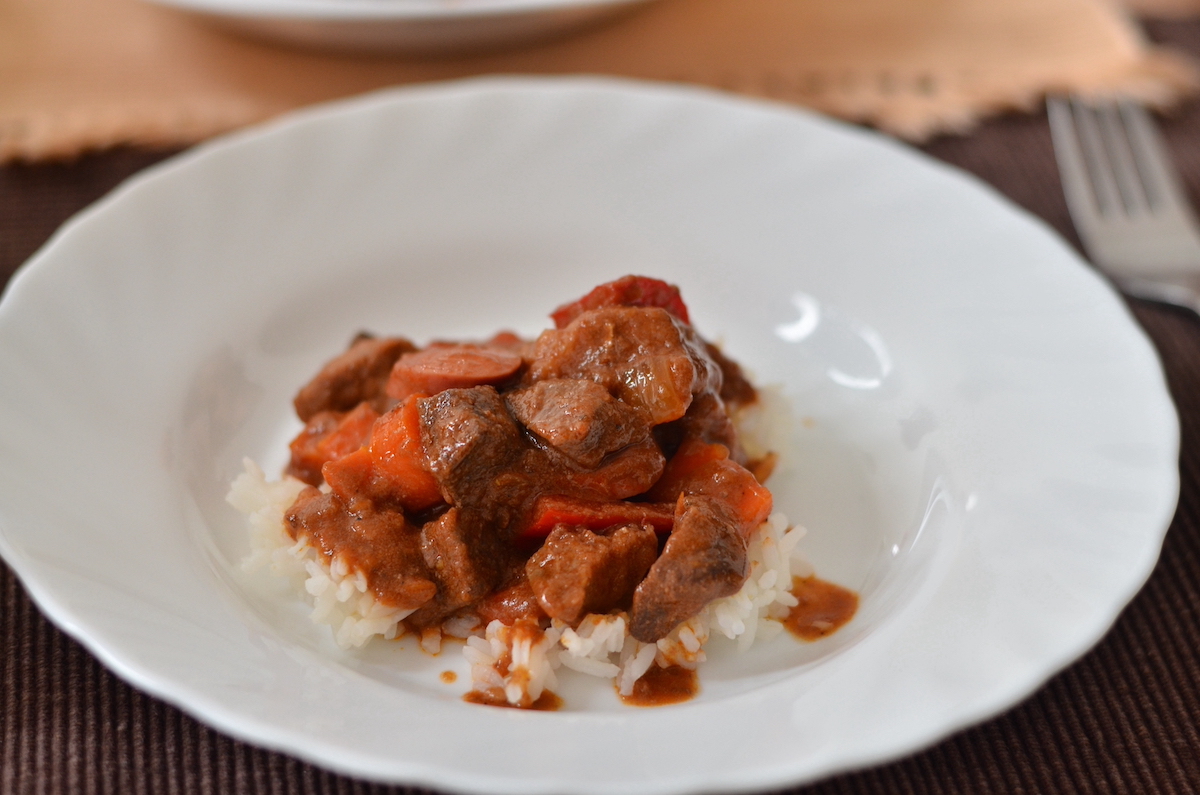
1177 289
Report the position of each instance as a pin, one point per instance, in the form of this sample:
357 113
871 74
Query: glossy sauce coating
823 609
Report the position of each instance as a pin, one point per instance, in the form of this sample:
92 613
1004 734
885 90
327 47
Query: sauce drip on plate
546 702
659 686
823 609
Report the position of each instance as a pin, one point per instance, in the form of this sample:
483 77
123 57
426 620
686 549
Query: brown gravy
660 686
546 702
823 609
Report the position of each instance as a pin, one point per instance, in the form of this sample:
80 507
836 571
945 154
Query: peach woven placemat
86 74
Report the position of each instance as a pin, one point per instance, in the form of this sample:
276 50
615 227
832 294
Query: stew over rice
592 470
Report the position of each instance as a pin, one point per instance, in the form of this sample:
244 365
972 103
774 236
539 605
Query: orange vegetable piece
691 457
551 510
699 468
327 437
391 466
352 476
400 458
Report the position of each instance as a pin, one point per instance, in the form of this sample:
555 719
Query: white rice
339 596
520 662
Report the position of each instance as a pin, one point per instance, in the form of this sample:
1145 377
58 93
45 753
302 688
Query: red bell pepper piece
551 510
626 291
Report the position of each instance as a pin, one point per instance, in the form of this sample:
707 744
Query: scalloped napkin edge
79 75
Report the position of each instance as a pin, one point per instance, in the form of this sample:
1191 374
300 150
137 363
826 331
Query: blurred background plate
402 26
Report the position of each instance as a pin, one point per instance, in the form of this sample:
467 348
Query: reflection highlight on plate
854 354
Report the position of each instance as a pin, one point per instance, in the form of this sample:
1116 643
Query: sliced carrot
551 510
691 458
399 458
327 437
738 488
626 291
352 477
442 367
702 468
390 467
352 431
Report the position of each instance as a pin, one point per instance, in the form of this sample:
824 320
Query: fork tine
1096 156
1128 181
1163 187
1077 187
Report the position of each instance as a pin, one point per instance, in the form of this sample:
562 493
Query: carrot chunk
444 367
551 510
699 468
400 459
626 291
390 467
352 476
691 458
327 437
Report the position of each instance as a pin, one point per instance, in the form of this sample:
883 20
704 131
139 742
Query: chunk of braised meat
720 504
642 355
624 474
626 291
701 468
379 543
736 390
483 463
577 572
442 367
360 374
707 421
475 449
466 560
578 418
704 559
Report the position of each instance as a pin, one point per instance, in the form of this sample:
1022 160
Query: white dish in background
415 27
984 445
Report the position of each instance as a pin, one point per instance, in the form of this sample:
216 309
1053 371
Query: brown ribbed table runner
1125 718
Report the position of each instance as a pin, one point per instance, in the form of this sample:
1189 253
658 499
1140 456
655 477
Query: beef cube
380 544
704 559
622 475
472 445
460 558
707 421
736 389
578 418
642 355
577 572
360 374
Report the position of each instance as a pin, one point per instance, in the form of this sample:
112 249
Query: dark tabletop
1124 718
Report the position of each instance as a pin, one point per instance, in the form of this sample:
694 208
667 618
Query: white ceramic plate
984 447
402 26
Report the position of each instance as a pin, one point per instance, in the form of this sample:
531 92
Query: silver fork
1126 199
